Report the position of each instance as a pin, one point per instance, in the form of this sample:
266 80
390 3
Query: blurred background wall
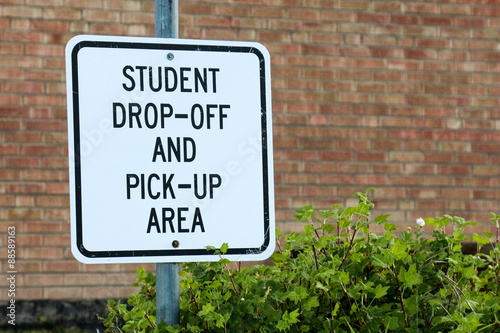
402 96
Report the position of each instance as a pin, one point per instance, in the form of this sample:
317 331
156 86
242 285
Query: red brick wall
398 95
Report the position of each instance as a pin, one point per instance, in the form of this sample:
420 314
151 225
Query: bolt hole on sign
170 149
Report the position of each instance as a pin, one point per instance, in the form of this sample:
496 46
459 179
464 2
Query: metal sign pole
167 275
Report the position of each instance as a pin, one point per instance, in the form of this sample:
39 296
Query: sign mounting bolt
175 244
170 56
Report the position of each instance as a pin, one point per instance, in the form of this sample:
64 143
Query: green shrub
337 276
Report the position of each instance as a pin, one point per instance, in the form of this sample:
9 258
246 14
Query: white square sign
170 149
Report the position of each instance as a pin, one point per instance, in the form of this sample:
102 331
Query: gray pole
167 293
167 275
167 18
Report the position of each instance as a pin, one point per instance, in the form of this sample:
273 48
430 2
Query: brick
45 125
118 4
63 13
107 29
486 194
371 156
48 3
10 125
100 16
354 5
373 17
372 180
25 187
41 253
271 12
62 266
22 37
11 49
392 6
223 34
41 25
42 227
28 266
409 157
485 11
4 23
26 293
437 20
21 11
405 19
45 50
75 279
26 87
62 293
22 162
137 17
420 54
37 280
106 292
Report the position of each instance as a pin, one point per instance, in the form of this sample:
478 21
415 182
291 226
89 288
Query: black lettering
134 114
169 87
141 76
215 182
188 158
132 182
155 115
174 148
214 80
222 115
167 186
210 114
193 120
117 124
199 79
181 219
165 115
190 79
184 78
150 191
132 82
143 189
155 89
153 221
159 150
168 218
197 220
196 187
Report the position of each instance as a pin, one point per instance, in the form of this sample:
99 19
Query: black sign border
77 161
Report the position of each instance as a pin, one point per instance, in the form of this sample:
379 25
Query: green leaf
344 223
480 239
344 277
309 229
328 228
279 257
335 310
390 227
380 291
223 248
381 219
399 249
305 328
382 260
288 319
411 277
391 323
311 303
305 213
430 221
